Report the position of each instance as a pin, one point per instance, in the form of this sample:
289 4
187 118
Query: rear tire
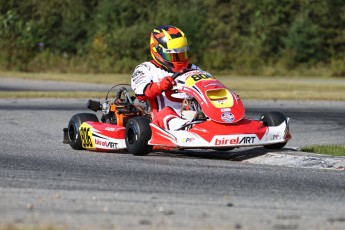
74 139
272 119
138 134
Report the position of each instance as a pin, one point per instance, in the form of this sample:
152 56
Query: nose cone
220 104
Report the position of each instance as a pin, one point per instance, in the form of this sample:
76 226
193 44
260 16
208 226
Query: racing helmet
168 47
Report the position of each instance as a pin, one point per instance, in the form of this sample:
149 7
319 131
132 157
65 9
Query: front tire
138 134
74 139
272 119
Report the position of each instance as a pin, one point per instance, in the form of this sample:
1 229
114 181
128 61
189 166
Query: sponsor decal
178 50
137 73
188 140
227 117
105 143
275 137
190 73
110 129
213 84
142 65
138 77
233 141
225 110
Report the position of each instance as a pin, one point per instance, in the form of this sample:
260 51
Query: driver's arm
145 88
153 89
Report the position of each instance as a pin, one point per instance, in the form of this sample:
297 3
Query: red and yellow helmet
168 46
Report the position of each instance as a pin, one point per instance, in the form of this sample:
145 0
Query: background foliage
253 37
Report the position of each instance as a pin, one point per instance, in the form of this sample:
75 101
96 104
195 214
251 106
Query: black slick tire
74 139
138 134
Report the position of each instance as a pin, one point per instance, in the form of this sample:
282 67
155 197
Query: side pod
161 137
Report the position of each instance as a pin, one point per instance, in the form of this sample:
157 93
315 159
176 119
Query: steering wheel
122 91
179 73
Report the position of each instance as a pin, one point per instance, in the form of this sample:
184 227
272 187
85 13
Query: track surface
44 182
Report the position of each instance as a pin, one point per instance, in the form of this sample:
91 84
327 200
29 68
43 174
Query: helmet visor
175 57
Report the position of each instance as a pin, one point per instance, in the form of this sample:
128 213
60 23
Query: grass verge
283 88
110 79
51 94
31 227
333 150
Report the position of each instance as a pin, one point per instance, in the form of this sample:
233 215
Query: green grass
32 227
334 150
110 79
287 88
51 94
283 88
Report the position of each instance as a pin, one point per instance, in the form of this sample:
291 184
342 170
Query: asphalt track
43 182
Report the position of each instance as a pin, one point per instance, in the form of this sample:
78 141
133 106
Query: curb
300 160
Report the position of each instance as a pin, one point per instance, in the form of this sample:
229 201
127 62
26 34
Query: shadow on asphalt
233 155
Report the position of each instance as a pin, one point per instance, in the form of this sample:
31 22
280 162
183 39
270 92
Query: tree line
253 37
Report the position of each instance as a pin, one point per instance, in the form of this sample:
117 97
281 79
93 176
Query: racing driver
152 81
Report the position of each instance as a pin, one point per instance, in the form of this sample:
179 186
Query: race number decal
86 136
197 77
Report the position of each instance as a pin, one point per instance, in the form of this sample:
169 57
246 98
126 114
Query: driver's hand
166 83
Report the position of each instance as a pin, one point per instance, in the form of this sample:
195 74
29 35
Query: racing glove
166 83
154 89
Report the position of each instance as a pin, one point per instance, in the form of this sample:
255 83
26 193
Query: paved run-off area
44 182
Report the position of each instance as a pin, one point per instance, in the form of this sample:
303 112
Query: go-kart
215 115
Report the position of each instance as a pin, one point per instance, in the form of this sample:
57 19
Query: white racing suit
166 110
